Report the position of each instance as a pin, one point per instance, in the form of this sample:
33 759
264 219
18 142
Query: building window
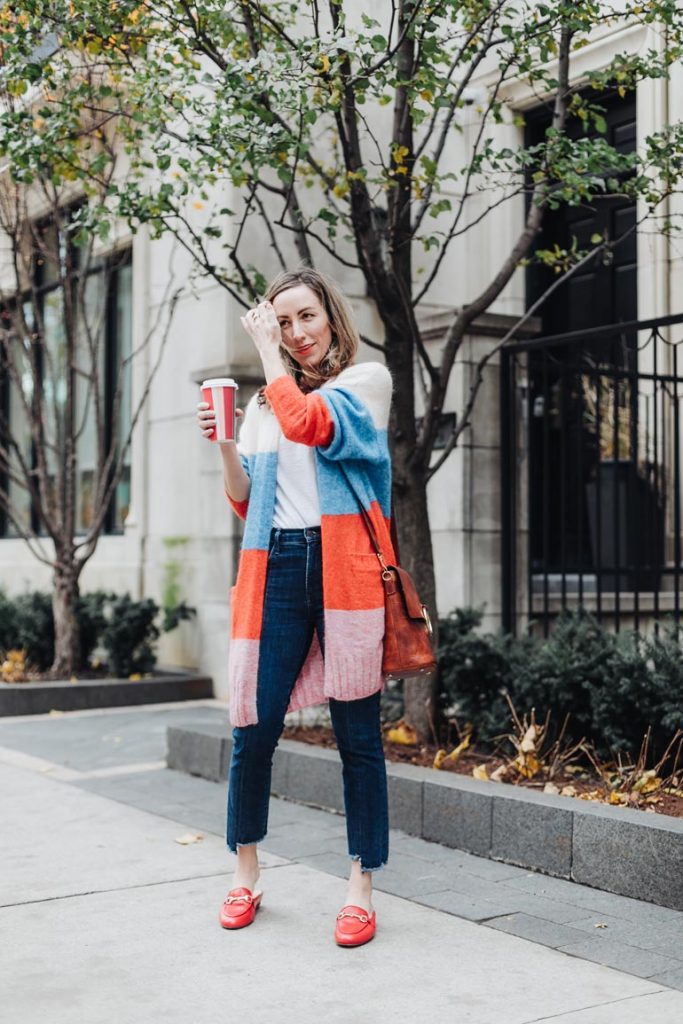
100 364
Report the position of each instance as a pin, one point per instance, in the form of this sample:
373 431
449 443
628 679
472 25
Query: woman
307 610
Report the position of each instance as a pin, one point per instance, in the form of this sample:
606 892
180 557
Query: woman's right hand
206 418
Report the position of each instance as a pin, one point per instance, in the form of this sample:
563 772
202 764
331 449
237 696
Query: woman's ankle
247 870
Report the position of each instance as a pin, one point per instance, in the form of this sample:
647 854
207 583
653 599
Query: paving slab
674 979
58 841
449 883
97 739
644 963
665 937
135 935
662 1009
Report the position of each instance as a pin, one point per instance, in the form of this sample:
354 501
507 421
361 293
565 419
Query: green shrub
8 623
559 673
92 620
125 628
34 628
175 614
613 686
664 654
130 634
627 699
475 670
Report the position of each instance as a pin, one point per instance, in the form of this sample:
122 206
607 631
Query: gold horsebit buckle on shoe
236 899
361 917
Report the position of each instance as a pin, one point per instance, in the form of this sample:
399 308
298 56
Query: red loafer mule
239 907
354 926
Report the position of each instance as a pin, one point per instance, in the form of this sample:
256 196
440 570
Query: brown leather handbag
408 649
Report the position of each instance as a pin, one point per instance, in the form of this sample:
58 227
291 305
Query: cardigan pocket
360 585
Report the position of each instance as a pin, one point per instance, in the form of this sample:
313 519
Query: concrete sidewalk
105 918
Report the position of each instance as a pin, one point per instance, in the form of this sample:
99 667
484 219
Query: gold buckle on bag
386 574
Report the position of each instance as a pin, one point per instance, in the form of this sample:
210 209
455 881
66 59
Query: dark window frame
111 264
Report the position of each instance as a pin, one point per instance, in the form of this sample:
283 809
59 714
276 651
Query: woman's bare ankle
359 887
247 869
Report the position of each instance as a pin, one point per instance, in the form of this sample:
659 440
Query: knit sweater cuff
239 507
302 418
281 387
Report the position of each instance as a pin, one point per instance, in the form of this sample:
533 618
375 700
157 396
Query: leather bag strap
364 514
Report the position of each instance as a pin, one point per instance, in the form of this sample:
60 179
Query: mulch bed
586 785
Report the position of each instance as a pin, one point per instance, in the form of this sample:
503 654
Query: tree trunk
67 631
411 513
415 543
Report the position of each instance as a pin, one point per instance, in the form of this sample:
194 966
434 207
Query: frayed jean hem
366 871
233 849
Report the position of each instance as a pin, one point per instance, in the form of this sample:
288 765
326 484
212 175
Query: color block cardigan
346 421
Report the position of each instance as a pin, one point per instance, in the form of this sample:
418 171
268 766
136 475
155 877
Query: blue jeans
293 608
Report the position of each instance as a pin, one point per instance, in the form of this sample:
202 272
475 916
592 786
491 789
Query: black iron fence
591 475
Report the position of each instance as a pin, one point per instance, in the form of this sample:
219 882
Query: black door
563 453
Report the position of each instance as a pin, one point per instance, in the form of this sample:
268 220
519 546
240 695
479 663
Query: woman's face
306 331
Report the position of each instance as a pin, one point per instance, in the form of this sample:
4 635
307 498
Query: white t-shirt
296 495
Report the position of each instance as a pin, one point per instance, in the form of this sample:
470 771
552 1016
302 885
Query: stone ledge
37 698
620 850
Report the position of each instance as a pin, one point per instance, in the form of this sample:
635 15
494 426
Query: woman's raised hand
262 326
206 418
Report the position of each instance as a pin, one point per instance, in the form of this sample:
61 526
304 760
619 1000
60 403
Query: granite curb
619 850
38 698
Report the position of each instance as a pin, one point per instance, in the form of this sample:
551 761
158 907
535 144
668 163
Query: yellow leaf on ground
135 677
480 772
550 787
499 774
443 758
189 837
402 733
648 782
527 765
568 791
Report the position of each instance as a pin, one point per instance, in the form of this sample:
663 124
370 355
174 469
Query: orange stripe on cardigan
247 594
303 418
358 586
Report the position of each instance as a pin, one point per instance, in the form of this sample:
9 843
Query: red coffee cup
221 394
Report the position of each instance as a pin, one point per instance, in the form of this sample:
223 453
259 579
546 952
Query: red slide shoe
239 907
354 926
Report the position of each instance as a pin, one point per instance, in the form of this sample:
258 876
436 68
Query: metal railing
591 475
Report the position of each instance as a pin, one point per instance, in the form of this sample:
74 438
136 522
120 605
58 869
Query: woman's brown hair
345 337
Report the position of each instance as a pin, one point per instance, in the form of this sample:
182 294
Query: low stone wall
633 853
40 697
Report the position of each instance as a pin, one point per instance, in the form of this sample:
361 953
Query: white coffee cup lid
215 382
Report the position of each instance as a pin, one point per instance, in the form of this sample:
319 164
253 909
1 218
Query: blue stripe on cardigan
355 434
262 471
370 481
365 451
